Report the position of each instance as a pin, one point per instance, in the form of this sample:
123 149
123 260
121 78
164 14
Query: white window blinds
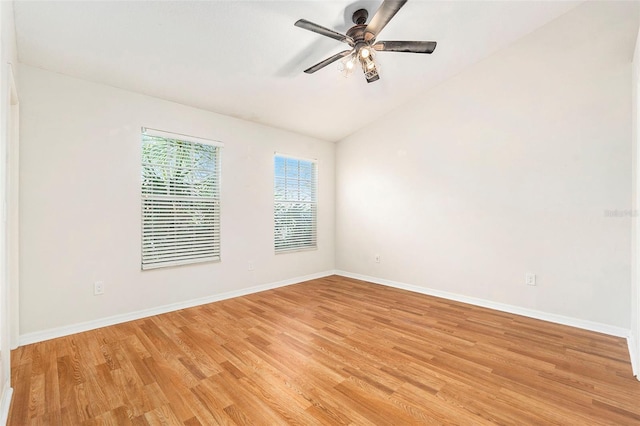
295 207
180 199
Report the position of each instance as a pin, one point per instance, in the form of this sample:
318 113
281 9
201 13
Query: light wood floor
329 351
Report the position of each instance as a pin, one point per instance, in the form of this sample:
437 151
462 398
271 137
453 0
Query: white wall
80 203
506 168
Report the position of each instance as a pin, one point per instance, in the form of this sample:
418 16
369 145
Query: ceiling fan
362 39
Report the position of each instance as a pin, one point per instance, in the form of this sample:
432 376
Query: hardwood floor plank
20 401
214 400
332 351
132 391
66 381
162 416
36 396
170 385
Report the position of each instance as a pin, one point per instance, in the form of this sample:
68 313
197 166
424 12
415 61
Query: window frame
150 199
292 247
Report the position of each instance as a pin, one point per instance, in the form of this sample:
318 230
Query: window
180 199
295 208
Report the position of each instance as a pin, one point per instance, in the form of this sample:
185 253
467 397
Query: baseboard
531 313
633 354
5 404
53 333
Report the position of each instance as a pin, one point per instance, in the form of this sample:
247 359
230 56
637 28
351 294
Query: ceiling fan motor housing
357 33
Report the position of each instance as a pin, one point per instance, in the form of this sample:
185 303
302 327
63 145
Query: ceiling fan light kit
366 58
369 66
362 40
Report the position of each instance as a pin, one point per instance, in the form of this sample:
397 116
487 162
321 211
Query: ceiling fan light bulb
370 65
365 52
349 65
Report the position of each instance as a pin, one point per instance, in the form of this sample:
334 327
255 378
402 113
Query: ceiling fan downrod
360 16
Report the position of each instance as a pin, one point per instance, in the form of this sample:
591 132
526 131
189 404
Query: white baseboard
53 333
531 313
5 403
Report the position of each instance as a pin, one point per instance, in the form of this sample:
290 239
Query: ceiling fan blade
327 61
307 25
406 46
383 15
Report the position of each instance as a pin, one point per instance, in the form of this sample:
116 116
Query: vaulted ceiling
246 58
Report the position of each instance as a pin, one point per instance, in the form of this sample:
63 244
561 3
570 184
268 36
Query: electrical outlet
376 258
98 288
530 278
251 266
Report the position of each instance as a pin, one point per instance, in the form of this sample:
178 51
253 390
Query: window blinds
180 200
295 206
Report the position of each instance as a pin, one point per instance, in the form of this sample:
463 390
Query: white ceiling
246 59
